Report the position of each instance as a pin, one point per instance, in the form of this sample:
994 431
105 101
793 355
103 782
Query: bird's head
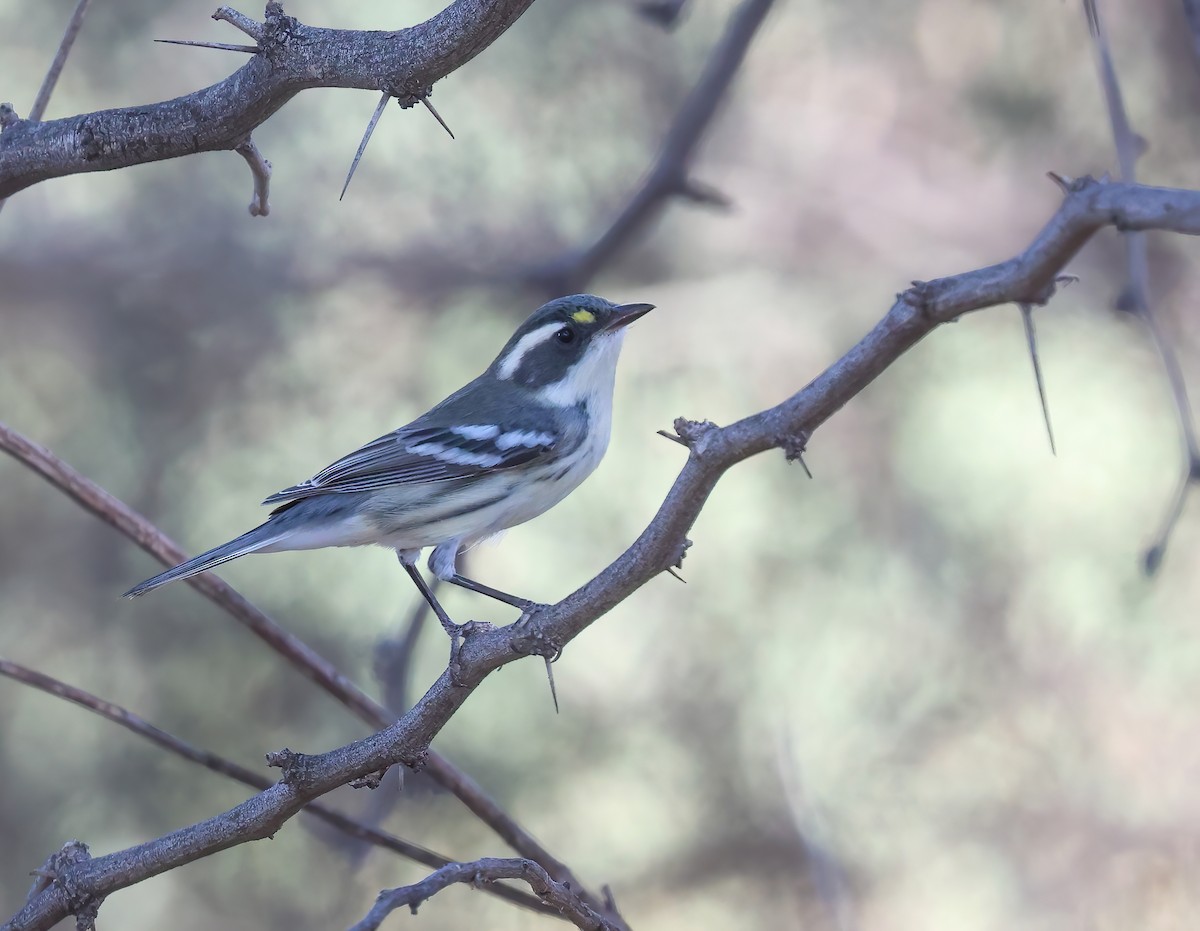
567 350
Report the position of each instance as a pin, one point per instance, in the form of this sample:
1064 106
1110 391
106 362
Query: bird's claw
458 635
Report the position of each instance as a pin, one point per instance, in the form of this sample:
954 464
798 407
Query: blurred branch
1029 277
218 764
483 874
669 176
292 57
56 66
1135 298
1191 10
663 12
828 875
394 658
60 60
120 516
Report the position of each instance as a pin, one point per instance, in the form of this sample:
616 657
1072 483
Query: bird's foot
458 635
529 609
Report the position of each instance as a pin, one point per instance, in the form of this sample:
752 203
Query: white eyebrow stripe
511 362
477 431
528 438
455 456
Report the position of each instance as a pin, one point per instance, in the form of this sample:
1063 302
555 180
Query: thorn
362 146
1066 280
437 116
1064 182
673 438
550 678
1154 556
223 46
794 448
671 569
700 193
1031 340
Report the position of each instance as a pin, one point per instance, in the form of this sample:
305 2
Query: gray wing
420 454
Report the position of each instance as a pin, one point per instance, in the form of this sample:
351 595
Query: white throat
589 380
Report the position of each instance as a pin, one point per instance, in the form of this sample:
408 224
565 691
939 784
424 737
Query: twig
222 46
1136 297
218 764
124 519
1028 277
669 176
296 57
483 874
260 168
240 22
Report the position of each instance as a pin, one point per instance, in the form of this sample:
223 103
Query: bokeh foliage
928 688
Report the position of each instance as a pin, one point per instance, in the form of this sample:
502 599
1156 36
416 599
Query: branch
124 519
294 57
669 176
1026 278
483 874
218 764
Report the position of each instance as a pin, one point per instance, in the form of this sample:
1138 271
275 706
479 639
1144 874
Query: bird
500 451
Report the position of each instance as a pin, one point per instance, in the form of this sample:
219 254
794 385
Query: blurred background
929 688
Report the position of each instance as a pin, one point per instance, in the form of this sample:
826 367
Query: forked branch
1029 277
484 874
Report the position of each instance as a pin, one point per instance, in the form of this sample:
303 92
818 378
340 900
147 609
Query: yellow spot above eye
583 316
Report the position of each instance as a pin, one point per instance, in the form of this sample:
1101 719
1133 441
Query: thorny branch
483 874
1136 297
218 764
670 175
124 519
1029 277
291 57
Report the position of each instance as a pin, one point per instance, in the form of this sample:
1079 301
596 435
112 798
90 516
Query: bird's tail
248 542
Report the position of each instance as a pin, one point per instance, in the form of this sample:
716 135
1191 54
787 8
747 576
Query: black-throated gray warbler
496 453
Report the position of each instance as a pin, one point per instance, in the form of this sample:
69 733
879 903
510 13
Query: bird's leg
455 631
478 587
427 593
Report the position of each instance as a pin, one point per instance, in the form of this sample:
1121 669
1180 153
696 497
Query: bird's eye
565 335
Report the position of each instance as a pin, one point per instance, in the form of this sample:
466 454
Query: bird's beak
625 314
